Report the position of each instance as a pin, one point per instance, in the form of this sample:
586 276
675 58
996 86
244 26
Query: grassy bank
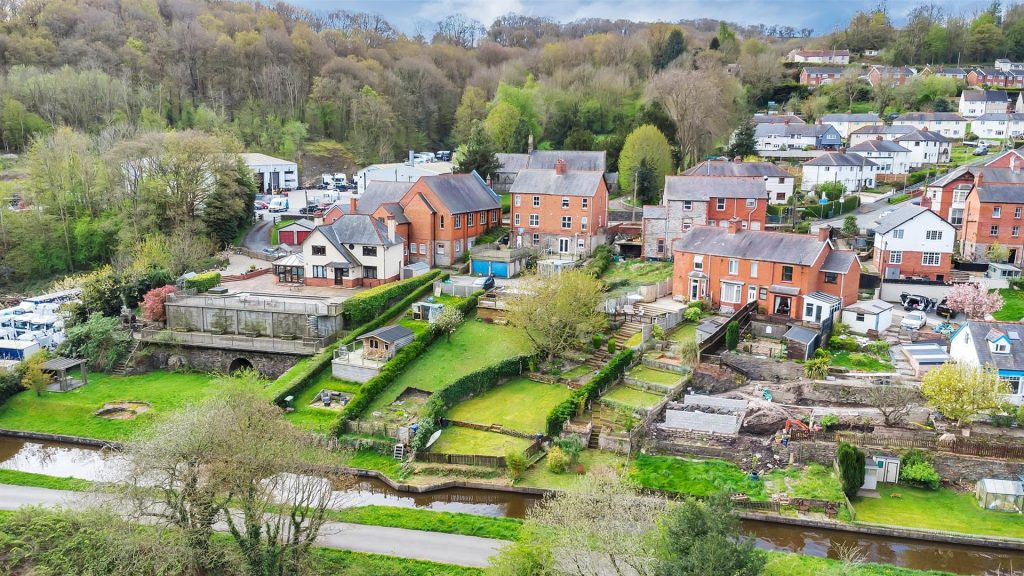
1013 305
786 564
941 509
432 521
520 404
18 478
693 477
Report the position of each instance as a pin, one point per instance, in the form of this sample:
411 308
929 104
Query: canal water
58 459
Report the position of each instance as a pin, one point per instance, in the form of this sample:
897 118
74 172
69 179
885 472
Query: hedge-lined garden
370 304
203 282
590 391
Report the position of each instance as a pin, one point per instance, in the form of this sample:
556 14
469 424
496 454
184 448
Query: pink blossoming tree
974 300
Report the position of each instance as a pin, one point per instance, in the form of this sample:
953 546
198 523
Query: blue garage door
499 269
481 267
485 267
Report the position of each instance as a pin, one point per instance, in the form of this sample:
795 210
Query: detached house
701 201
849 169
771 137
974 103
560 210
819 75
914 241
995 344
797 276
891 157
777 182
847 123
355 250
948 124
819 56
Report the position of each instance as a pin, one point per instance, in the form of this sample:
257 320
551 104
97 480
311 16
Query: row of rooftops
780 247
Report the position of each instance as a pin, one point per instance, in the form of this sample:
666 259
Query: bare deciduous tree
701 103
893 402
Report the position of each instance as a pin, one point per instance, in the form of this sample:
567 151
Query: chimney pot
879 138
824 233
734 225
352 205
924 129
560 167
785 122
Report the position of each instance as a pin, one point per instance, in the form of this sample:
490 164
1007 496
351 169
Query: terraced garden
519 404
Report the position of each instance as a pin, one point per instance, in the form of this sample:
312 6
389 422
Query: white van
278 204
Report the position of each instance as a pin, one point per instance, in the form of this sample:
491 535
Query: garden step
595 435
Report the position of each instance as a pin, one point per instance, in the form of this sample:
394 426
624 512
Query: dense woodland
120 110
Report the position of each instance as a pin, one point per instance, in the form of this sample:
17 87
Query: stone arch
239 364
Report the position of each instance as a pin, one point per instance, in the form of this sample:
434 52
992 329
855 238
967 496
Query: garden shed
878 469
1000 495
871 317
414 269
800 343
428 311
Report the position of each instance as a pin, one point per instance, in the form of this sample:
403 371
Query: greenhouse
1000 495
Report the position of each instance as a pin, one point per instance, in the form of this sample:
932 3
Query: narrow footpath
414 544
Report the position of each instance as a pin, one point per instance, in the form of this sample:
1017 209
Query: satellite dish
433 438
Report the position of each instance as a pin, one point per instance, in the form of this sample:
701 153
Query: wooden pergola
60 366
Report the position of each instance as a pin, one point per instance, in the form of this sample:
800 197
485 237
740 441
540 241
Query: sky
821 15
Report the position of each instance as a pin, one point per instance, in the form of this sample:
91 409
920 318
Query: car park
914 321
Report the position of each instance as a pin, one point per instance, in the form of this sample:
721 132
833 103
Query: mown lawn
431 521
71 413
1013 305
645 374
626 275
942 509
812 481
685 332
633 397
693 477
314 418
472 347
520 404
328 561
860 362
19 478
538 476
457 440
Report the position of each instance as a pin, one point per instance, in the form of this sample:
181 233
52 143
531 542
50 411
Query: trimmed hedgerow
369 304
607 376
203 282
471 384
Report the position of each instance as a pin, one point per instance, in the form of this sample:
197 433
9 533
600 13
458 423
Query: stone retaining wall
215 360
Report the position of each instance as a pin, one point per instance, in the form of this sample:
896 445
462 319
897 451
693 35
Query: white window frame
687 205
997 212
536 201
519 199
734 266
753 269
412 248
534 220
719 203
931 259
895 257
698 261
516 219
565 202
439 248
751 202
470 219
736 296
583 222
897 234
933 235
585 203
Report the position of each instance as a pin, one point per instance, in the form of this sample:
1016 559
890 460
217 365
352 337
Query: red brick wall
737 208
551 212
911 264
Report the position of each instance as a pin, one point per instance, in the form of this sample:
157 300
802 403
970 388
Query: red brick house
797 276
891 75
913 241
818 75
994 212
561 210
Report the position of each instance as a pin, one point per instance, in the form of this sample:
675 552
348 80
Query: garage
296 232
490 267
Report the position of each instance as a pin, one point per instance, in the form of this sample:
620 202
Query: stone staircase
598 359
121 369
626 331
595 436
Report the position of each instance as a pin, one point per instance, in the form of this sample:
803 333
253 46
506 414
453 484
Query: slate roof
943 71
1007 193
720 169
304 223
655 212
953 175
815 130
992 175
838 261
866 117
979 330
899 217
381 192
923 136
1000 117
462 193
878 146
894 70
883 129
571 183
807 53
777 119
799 249
703 188
824 70
392 333
984 96
802 335
397 212
930 117
512 162
580 160
839 159
357 229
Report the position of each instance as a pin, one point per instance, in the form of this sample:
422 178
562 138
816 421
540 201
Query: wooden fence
474 459
371 428
741 317
959 445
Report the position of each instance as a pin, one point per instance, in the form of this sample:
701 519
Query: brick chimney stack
924 129
734 225
560 167
785 122
352 205
824 233
980 179
879 138
738 159
926 202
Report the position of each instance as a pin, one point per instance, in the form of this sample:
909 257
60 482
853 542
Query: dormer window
1000 347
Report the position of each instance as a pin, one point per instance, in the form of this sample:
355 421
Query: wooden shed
384 342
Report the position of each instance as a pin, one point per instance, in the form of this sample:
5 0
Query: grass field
456 440
694 477
633 397
328 561
19 478
1013 306
626 275
645 374
473 346
786 564
71 413
519 404
812 481
860 362
937 510
538 476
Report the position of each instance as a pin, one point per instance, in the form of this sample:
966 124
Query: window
895 257
586 202
370 272
698 262
831 278
536 239
458 221
860 316
319 250
519 199
931 259
369 250
494 216
1000 348
458 246
566 221
956 216
783 304
565 201
1015 231
583 222
993 230
734 266
516 219
469 219
751 202
534 220
439 248
661 245
441 221
687 205
720 204
319 271
412 248
933 235
997 211
753 269
1017 212
762 294
897 234
782 180
731 293
423 248
536 201
787 273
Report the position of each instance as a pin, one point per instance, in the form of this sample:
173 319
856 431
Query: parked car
485 283
916 302
945 311
981 150
279 204
311 209
914 321
443 156
260 205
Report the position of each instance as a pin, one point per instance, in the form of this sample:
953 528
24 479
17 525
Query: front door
338 276
694 290
751 294
1012 258
563 245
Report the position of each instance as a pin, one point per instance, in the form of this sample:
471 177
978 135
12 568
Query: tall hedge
369 304
607 376
394 367
471 384
203 282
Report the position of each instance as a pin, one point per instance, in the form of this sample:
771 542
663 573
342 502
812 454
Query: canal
88 463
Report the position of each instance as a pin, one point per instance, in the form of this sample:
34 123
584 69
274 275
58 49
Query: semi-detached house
926 147
994 344
852 170
847 123
999 125
786 136
777 182
691 201
914 241
949 124
975 103
891 157
994 212
796 276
